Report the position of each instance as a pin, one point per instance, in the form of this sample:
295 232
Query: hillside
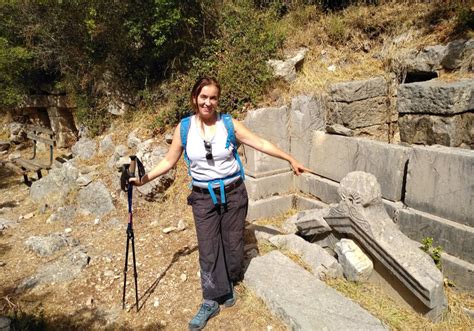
358 42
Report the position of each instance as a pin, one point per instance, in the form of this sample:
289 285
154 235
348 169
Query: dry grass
362 41
400 317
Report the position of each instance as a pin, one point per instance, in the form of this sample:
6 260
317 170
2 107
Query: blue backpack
231 141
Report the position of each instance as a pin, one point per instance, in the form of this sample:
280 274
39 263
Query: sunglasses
208 147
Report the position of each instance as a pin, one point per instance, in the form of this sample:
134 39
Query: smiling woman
218 198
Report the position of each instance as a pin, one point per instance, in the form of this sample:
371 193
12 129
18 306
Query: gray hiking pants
220 234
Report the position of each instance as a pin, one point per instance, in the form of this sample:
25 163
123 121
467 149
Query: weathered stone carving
361 215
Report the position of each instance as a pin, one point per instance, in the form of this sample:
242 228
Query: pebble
156 303
183 277
109 273
28 216
169 229
96 221
89 301
68 230
182 225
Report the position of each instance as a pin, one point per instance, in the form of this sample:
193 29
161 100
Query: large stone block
436 97
359 114
335 156
271 124
358 90
440 181
456 239
62 123
264 187
286 287
443 130
306 115
304 203
458 271
322 188
270 207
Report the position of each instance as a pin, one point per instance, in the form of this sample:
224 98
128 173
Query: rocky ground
78 285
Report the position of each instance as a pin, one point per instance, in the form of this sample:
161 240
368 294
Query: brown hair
200 83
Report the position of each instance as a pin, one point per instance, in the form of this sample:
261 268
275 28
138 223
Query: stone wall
428 191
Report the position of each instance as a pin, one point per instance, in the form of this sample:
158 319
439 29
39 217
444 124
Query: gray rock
356 265
458 271
132 140
84 149
287 69
151 154
95 199
117 107
64 214
121 150
361 215
54 188
307 113
456 52
286 288
440 182
48 245
322 264
339 129
106 145
271 124
84 180
427 59
451 131
312 222
358 90
63 269
436 97
17 132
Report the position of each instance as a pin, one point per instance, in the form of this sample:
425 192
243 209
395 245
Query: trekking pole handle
133 164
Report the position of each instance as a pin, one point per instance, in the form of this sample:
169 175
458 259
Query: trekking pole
127 172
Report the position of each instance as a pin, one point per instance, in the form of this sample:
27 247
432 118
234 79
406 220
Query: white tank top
223 163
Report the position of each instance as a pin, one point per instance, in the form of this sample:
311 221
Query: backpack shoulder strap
183 131
231 139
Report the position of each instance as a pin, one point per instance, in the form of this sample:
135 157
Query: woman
219 199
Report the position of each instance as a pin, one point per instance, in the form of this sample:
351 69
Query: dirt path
168 278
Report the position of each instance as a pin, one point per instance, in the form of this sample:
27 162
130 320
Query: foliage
244 39
434 252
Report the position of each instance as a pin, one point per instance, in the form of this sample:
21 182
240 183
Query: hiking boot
205 312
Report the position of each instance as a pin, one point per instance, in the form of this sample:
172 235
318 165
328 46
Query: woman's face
207 101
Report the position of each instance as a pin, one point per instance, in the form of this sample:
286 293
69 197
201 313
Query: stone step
301 300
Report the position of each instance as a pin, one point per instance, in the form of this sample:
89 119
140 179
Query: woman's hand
135 181
298 168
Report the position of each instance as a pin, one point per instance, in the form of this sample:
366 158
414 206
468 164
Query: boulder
106 145
48 245
457 52
287 69
95 199
84 149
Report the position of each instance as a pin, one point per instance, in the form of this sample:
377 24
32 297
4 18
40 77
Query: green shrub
243 41
434 252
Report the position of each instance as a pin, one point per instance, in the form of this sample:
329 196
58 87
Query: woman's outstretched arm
247 137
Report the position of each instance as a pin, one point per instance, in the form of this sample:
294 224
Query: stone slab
306 114
456 239
271 124
270 207
460 272
385 161
301 300
440 181
452 130
358 90
359 114
322 188
264 187
436 97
